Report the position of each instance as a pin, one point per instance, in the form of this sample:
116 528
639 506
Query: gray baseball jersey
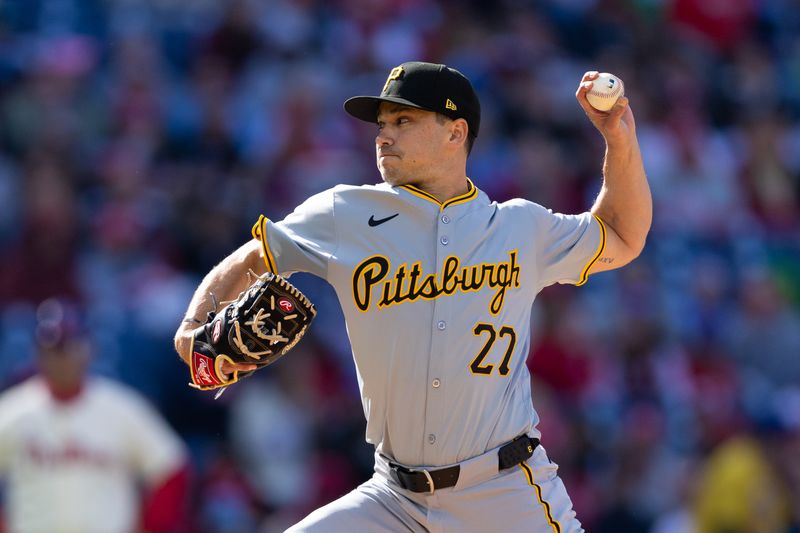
437 300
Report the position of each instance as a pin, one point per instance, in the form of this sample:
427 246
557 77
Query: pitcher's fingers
589 75
619 106
230 368
580 95
583 87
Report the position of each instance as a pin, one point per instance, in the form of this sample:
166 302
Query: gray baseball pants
527 497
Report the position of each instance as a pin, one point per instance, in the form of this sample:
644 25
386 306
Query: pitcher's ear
459 130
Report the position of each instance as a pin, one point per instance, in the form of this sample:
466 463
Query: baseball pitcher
436 282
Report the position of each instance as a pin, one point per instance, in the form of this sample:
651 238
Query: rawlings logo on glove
266 321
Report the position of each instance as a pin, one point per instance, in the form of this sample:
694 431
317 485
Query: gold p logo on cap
393 75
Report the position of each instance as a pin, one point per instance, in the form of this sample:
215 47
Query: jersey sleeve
154 448
304 241
15 406
567 245
7 434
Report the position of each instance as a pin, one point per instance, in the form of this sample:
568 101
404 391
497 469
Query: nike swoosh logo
372 222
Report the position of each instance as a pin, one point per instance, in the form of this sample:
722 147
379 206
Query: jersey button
431 438
444 240
445 219
436 383
441 325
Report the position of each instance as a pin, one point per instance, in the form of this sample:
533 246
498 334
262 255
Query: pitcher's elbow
638 247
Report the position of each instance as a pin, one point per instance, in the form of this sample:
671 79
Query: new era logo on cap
428 86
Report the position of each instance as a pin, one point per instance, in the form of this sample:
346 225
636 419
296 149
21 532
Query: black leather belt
421 480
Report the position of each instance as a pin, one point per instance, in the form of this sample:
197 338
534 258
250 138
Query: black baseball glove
259 327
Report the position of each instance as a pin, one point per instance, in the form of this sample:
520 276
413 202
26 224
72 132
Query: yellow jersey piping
546 506
600 247
260 232
420 193
471 193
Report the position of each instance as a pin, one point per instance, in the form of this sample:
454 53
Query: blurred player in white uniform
81 454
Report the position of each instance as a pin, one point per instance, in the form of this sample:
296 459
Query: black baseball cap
428 86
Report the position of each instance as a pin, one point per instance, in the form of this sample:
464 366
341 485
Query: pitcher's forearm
223 283
624 202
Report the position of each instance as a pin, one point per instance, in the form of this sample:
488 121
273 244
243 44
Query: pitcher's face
410 144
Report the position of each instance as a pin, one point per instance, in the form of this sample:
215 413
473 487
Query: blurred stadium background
140 139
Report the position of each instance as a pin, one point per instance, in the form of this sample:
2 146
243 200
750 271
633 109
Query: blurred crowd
140 139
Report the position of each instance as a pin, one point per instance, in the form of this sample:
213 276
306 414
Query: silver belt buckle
427 476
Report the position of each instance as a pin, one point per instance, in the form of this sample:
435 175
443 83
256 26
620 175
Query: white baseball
605 91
